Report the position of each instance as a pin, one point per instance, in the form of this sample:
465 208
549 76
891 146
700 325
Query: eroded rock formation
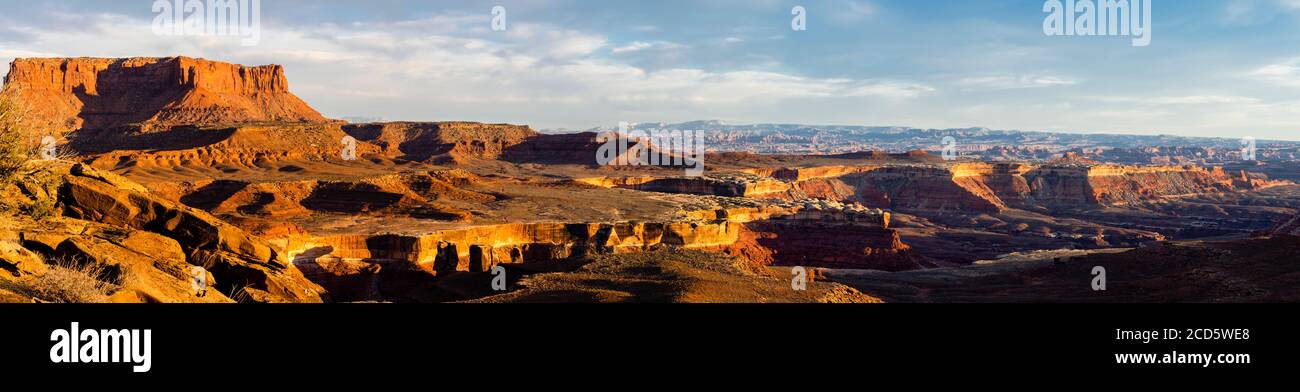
66 94
148 244
995 187
760 237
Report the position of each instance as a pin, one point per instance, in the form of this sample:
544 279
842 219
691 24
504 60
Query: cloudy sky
1226 68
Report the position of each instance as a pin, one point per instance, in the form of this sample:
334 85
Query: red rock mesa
66 94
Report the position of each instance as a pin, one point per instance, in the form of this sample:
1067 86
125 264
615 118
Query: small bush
39 210
68 281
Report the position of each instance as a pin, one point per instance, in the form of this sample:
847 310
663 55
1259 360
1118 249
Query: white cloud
1285 73
1208 99
447 67
643 45
851 12
1007 82
861 8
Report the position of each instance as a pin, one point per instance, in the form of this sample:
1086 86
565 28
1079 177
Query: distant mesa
1073 158
68 94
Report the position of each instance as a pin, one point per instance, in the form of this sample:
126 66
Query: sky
1218 68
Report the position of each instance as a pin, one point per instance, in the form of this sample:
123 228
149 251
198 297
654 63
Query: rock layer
985 187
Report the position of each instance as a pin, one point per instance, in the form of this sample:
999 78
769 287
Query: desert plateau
169 166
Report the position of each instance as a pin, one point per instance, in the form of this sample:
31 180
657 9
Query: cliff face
359 266
984 187
67 94
478 249
838 245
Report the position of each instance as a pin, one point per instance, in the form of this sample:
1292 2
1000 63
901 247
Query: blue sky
1225 68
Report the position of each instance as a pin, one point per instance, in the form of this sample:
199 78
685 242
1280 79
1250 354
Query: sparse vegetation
39 210
70 281
14 150
239 293
41 189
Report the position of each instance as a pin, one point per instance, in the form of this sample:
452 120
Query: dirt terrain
227 165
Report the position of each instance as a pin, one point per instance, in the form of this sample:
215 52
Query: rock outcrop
446 142
733 185
66 94
478 249
150 245
362 266
410 194
828 245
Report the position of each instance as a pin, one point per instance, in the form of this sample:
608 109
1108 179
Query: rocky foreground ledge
134 247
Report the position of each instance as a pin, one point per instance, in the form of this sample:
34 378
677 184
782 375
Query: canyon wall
826 245
66 94
995 187
759 237
478 249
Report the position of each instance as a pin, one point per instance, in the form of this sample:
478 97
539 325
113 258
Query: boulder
18 262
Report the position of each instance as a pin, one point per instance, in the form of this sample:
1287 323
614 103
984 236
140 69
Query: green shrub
39 210
14 150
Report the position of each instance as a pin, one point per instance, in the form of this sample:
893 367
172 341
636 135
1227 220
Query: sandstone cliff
67 94
365 267
996 187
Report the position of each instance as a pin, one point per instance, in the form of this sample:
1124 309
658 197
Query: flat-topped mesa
66 94
729 185
442 142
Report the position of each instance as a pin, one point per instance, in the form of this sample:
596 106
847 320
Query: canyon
186 162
